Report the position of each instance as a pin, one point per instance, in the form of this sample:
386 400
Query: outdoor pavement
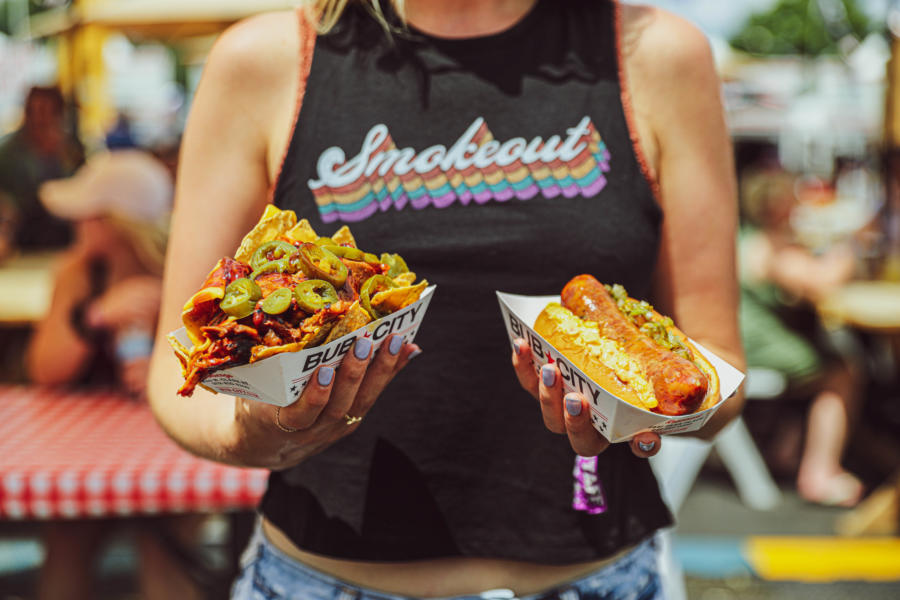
715 530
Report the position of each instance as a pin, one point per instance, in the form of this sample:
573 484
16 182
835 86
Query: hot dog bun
664 373
599 358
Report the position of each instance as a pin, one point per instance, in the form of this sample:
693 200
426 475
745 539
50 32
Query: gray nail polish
395 345
517 346
573 405
646 446
548 375
414 354
362 348
326 374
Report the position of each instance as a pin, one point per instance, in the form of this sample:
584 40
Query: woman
99 331
499 130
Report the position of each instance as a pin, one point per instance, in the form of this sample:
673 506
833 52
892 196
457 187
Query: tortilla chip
273 223
355 317
195 319
261 352
343 237
302 232
204 295
396 298
315 337
404 279
180 351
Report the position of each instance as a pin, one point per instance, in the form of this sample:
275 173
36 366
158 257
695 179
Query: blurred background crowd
93 98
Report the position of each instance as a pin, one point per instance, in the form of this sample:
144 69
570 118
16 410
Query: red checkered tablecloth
68 454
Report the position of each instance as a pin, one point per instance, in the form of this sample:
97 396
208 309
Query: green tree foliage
808 27
13 12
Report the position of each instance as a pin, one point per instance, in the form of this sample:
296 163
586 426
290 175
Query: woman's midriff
438 577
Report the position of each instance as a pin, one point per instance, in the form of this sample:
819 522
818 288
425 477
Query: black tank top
497 163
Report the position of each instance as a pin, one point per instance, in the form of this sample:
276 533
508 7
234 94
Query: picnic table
92 453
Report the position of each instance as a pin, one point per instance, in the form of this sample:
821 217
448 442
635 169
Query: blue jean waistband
261 550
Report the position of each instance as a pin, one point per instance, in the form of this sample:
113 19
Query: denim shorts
269 574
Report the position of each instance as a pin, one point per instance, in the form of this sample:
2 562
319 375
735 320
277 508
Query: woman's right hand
333 405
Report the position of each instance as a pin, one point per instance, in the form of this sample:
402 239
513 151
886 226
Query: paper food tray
613 417
280 379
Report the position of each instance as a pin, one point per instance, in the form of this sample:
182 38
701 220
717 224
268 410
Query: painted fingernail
326 374
517 345
362 348
646 446
573 404
548 375
395 345
414 354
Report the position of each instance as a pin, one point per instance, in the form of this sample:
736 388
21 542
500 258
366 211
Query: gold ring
284 428
352 420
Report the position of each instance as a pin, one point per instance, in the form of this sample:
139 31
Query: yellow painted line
824 559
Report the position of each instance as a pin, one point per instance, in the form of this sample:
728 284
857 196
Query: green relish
640 313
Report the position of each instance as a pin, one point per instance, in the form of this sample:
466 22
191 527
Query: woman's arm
679 116
232 148
221 189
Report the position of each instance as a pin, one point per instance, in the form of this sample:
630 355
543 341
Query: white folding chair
680 459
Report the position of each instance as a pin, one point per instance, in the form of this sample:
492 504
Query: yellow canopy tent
167 18
892 104
82 29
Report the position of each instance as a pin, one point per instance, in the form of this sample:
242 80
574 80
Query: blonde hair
325 13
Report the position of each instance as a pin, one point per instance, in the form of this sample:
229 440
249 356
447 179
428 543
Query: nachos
287 289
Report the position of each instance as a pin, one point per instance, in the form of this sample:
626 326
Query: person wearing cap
98 331
108 281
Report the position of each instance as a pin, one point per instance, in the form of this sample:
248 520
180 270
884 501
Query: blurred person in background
99 331
120 135
40 150
781 280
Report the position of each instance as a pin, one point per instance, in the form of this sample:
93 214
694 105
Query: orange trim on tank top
307 47
629 111
307 32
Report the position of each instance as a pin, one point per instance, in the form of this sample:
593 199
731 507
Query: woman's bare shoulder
670 68
666 57
659 40
260 48
254 69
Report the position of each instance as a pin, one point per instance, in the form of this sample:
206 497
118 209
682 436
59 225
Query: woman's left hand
569 413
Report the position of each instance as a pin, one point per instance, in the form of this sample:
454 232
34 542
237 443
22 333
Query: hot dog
629 348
